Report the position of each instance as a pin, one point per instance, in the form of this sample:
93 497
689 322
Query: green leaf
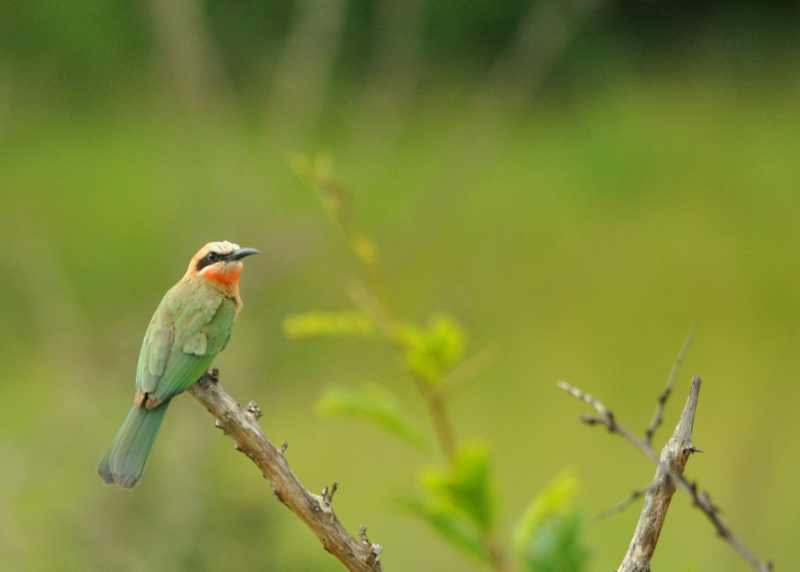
549 535
558 545
430 353
456 500
317 324
464 485
450 525
373 404
554 499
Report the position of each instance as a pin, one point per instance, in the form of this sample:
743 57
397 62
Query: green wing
190 326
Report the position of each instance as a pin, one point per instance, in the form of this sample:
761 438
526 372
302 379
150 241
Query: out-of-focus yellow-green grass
579 241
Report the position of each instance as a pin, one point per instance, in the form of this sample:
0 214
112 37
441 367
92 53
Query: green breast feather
191 325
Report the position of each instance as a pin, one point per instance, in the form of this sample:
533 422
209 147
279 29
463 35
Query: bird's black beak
242 253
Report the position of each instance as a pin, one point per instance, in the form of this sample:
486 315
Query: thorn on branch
375 550
327 493
284 447
254 410
591 420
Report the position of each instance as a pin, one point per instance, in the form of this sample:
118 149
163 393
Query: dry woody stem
674 456
316 511
669 475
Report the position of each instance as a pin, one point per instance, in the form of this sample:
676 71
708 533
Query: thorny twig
655 423
670 474
316 511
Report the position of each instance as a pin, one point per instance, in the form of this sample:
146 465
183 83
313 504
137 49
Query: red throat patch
227 277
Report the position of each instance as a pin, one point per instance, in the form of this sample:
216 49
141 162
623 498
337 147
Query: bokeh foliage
92 46
568 238
651 185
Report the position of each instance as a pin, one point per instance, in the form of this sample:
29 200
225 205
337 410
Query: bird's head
220 263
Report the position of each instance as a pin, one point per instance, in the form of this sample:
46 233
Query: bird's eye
208 259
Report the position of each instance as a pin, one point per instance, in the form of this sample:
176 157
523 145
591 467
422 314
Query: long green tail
123 464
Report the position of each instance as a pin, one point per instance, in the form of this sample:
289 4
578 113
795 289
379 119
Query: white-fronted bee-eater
191 325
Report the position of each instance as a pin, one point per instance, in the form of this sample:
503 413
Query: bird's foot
212 375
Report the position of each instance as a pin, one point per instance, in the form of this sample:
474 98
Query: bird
190 326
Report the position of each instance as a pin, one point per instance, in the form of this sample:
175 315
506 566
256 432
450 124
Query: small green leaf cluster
456 500
549 535
431 352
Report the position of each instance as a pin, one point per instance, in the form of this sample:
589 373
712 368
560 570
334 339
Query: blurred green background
576 182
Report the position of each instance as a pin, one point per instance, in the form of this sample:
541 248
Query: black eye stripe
209 258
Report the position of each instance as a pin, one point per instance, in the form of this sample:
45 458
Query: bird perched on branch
191 325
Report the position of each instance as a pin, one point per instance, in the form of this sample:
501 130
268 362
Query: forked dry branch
669 474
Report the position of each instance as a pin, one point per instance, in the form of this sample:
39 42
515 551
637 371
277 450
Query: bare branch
673 458
241 425
658 416
670 472
605 416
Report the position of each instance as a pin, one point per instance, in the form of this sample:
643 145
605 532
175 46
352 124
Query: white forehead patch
223 247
